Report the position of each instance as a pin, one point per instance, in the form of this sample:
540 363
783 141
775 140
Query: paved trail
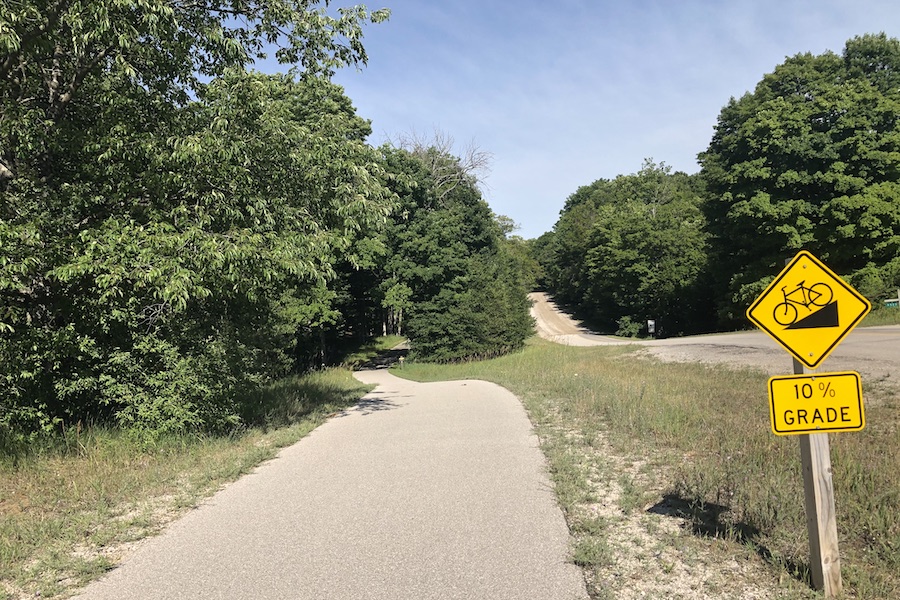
422 491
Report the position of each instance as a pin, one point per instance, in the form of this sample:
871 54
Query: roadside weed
70 512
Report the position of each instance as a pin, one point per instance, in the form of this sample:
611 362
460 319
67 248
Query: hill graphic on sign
826 317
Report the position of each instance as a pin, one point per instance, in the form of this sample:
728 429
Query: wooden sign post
808 309
821 520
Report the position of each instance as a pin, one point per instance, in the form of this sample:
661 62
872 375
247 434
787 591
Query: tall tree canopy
465 290
441 271
632 249
163 49
163 212
810 159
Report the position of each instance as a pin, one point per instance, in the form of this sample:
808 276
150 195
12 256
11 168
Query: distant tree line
809 160
177 230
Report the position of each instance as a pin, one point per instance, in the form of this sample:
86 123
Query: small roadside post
821 518
808 310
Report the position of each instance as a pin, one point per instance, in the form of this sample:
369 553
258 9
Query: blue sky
564 92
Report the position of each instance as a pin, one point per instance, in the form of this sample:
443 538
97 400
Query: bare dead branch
446 168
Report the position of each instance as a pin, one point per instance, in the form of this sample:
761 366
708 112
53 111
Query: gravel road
872 351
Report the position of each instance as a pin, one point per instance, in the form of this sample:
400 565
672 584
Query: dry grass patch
72 510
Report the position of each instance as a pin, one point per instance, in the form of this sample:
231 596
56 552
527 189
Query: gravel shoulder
649 549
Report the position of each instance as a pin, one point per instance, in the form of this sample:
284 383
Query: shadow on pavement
368 406
384 359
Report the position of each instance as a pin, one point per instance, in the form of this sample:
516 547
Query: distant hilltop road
872 351
557 326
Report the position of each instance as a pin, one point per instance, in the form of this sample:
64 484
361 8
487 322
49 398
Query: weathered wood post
821 519
809 309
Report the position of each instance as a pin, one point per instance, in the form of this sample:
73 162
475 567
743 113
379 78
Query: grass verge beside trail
882 316
70 511
697 444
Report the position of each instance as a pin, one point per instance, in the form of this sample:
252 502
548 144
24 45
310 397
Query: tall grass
70 509
882 315
707 431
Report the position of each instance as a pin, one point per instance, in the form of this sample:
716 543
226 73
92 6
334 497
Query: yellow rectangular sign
821 403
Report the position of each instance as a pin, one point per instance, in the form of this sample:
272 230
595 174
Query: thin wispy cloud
564 93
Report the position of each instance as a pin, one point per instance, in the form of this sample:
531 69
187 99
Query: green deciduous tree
49 51
647 253
810 159
632 249
157 232
562 253
465 293
522 252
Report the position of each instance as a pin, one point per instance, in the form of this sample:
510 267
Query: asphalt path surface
421 491
872 351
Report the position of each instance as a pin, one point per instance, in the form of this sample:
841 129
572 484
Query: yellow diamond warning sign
808 309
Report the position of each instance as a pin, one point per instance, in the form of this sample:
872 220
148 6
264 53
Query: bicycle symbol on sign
818 294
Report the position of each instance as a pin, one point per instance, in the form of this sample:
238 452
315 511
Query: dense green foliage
632 249
809 160
440 272
448 271
160 235
177 230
